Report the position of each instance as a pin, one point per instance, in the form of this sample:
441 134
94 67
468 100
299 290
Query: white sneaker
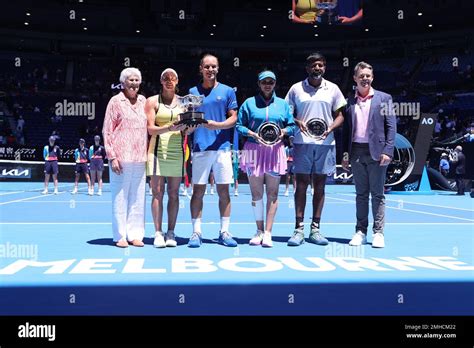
212 190
378 241
45 191
205 192
56 191
74 191
257 239
99 193
159 241
267 240
184 192
358 239
170 239
286 193
91 192
236 193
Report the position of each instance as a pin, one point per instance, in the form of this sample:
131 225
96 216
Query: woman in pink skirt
264 163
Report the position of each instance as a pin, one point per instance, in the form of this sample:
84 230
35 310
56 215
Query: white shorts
219 161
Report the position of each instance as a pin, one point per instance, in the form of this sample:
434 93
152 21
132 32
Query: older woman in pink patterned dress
125 140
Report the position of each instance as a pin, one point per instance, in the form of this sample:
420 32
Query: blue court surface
57 258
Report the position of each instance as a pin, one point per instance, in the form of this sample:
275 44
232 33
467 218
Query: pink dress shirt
125 129
360 118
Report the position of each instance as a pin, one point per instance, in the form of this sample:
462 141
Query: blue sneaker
316 237
195 241
298 237
225 238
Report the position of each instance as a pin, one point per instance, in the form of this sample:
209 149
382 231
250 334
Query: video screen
315 12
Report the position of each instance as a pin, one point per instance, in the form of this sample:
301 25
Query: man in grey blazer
369 135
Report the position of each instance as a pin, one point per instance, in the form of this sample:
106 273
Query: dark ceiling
232 20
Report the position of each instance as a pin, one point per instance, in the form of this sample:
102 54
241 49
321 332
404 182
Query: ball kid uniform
81 158
97 156
235 155
51 156
289 159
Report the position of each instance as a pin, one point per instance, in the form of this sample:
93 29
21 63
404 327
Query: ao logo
427 121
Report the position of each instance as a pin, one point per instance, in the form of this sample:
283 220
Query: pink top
125 129
360 119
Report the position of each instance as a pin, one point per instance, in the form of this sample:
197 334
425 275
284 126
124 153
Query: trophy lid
191 101
326 5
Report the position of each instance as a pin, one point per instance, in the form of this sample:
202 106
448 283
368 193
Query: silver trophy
269 132
316 128
326 13
190 103
403 162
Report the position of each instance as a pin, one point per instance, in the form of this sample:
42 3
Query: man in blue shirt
212 148
444 164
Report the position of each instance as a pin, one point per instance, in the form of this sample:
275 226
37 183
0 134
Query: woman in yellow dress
304 11
165 155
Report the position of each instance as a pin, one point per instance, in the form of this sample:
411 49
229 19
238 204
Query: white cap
167 70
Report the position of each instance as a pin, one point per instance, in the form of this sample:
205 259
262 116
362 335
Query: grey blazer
382 125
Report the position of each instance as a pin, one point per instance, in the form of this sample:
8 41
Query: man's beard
316 74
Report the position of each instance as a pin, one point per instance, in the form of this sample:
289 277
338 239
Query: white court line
414 211
29 198
232 223
35 190
430 205
68 202
11 193
35 197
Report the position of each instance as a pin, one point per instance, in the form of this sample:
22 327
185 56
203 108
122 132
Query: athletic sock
225 222
197 225
299 222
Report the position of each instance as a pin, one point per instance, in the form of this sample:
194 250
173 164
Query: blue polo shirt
217 102
444 164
